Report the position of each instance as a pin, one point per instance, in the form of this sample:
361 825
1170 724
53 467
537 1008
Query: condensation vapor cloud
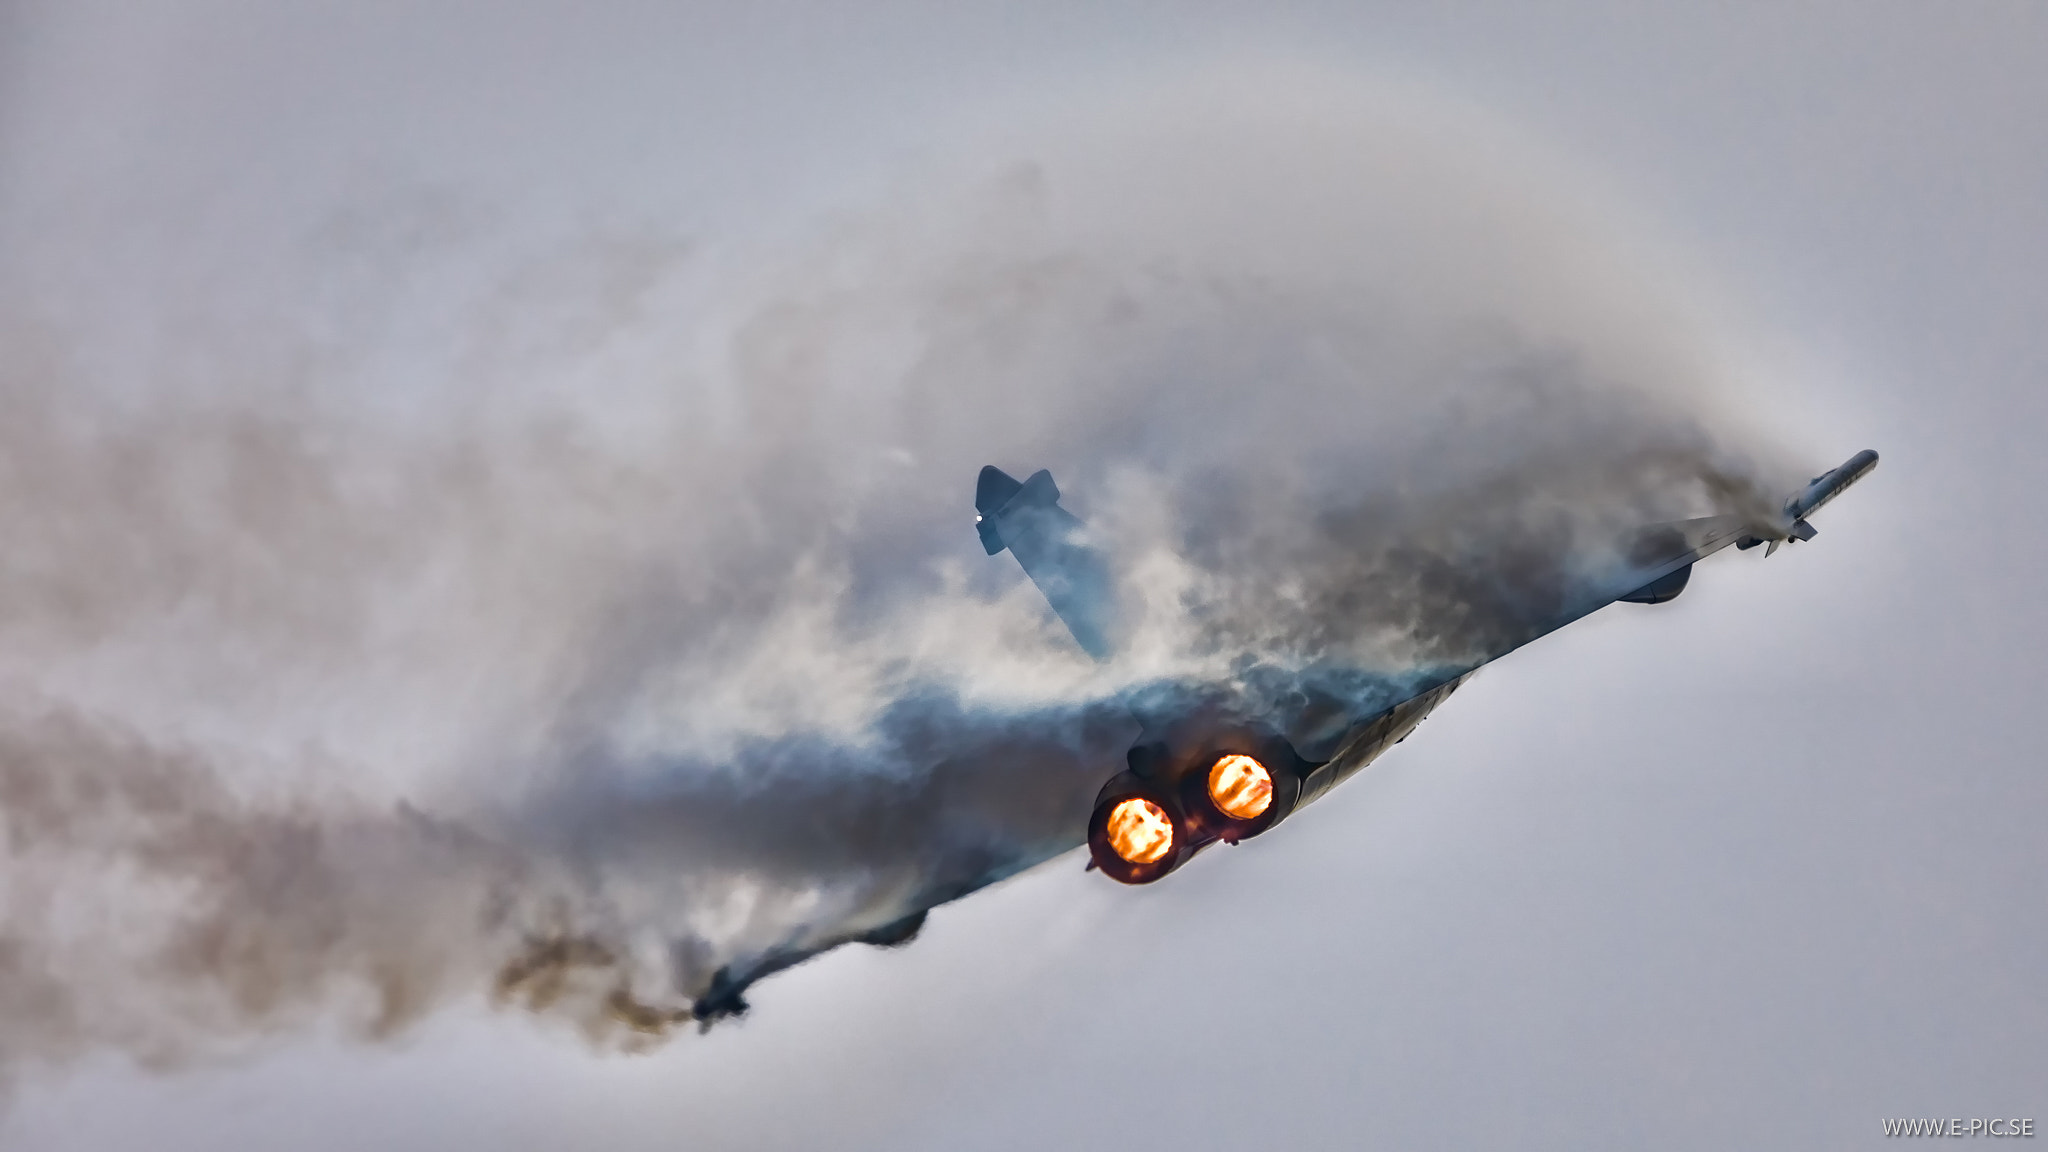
653 648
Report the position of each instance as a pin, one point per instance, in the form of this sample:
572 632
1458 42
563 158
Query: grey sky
1754 869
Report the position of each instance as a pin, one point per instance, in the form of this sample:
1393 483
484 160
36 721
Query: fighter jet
1223 763
1209 768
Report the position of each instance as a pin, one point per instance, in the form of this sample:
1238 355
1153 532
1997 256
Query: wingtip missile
1792 524
1826 487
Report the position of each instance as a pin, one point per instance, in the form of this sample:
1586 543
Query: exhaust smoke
648 648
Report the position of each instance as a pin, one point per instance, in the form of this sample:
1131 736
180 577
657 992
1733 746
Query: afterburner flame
1139 831
1241 787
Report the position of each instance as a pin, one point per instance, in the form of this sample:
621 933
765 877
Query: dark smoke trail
654 651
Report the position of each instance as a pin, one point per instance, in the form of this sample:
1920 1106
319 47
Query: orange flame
1139 831
1241 787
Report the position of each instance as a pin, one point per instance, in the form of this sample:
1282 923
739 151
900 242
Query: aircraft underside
1219 764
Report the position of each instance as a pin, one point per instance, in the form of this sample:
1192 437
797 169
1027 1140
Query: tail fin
994 489
991 492
1027 519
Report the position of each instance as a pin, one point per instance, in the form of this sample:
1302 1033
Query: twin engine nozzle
1169 805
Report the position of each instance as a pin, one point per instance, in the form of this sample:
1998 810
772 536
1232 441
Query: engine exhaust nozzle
1138 833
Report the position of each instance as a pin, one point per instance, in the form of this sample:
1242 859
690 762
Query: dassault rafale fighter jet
1209 769
1222 763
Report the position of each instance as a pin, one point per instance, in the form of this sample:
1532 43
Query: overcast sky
1757 868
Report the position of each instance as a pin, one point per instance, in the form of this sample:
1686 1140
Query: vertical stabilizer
1047 541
